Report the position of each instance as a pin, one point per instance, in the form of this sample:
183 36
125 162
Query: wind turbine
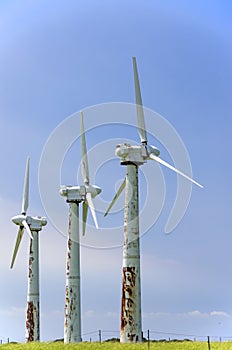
74 196
32 225
133 157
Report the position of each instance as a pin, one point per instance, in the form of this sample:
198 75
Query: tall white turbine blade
84 216
139 106
84 159
25 202
18 240
121 188
161 161
92 209
26 226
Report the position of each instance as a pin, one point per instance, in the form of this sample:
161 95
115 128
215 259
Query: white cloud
89 313
219 313
153 315
14 312
111 314
190 314
52 313
107 314
196 313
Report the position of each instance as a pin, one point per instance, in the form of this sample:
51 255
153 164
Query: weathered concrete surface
72 321
32 314
131 325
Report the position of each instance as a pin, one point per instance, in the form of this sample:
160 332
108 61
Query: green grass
117 346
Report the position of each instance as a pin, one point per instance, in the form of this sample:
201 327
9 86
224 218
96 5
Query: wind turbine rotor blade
18 240
92 209
84 216
121 188
161 161
139 106
84 159
26 226
25 202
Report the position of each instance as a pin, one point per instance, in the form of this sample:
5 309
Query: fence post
148 339
100 338
208 338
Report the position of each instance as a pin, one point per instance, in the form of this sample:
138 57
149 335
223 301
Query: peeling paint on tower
130 330
72 317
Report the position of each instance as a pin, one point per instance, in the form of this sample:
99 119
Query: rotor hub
18 219
93 189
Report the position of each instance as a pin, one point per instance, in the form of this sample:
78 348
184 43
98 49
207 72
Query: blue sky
57 59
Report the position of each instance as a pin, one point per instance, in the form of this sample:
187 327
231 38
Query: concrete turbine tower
133 157
74 196
32 225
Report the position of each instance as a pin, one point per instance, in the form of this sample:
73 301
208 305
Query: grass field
117 346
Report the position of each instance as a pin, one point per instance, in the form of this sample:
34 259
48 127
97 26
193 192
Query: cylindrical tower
131 324
32 315
72 321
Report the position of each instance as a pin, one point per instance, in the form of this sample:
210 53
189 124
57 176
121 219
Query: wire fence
149 336
154 336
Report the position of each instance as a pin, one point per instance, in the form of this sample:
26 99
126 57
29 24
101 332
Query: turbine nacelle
131 154
135 154
78 193
35 223
73 193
